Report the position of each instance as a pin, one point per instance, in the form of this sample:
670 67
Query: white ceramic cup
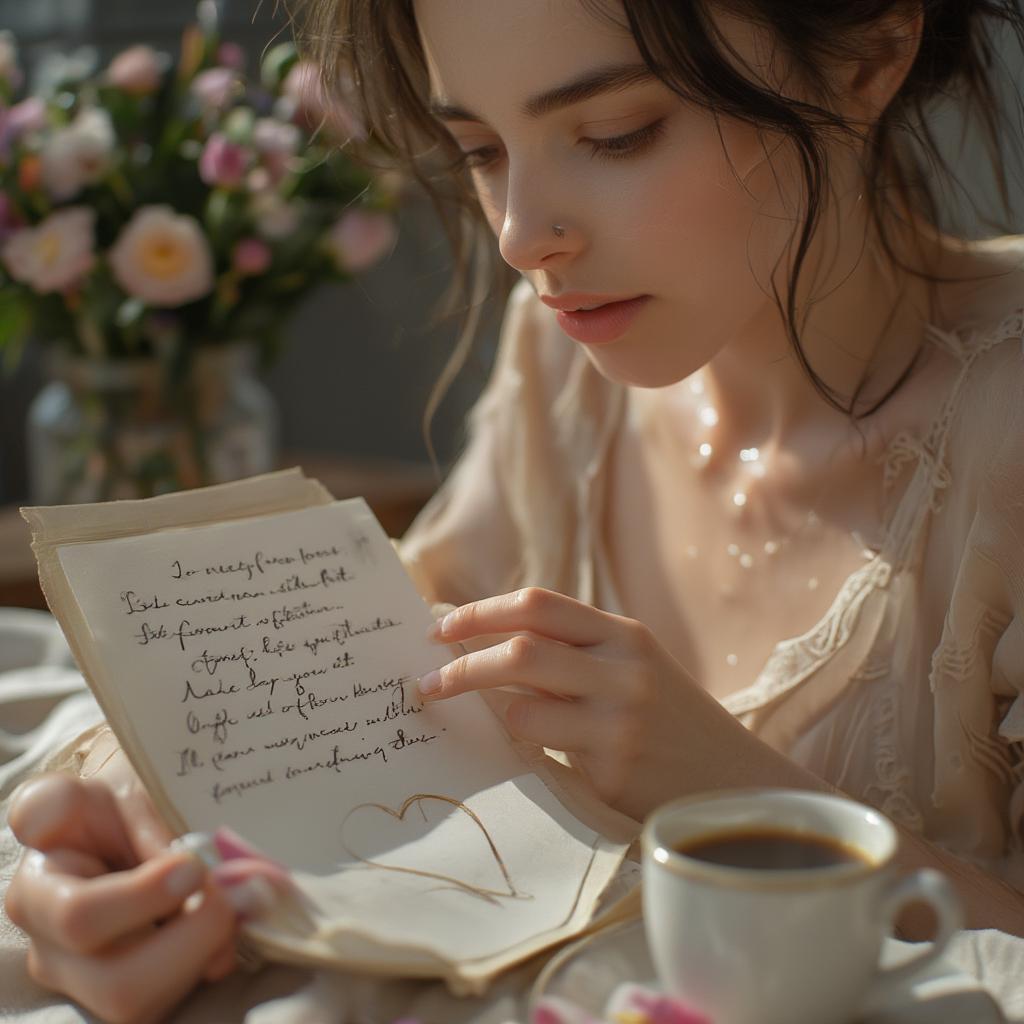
769 946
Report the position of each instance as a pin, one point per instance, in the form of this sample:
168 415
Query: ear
884 53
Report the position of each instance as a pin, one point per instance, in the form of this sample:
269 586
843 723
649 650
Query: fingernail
251 898
434 633
185 878
430 683
199 844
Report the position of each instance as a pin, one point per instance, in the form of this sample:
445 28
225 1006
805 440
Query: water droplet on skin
812 583
691 551
739 499
733 549
731 660
705 450
696 386
709 416
771 547
746 561
749 455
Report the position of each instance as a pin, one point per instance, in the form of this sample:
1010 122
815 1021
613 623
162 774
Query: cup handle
925 886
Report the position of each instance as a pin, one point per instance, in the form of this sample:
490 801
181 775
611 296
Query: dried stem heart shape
351 843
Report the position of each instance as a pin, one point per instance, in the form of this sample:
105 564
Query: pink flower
163 258
56 254
360 238
223 163
137 70
215 88
231 55
251 257
25 117
312 107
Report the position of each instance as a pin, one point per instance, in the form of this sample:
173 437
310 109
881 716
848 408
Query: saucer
588 972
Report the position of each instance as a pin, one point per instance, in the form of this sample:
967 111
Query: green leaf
15 321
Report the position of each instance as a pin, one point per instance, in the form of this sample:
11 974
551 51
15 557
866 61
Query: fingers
62 812
525 660
532 610
68 899
140 981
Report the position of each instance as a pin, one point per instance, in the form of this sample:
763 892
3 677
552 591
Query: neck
860 334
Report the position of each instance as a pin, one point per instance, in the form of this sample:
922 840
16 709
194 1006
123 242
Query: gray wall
362 358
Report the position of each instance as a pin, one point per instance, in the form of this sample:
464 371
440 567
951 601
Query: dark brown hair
374 45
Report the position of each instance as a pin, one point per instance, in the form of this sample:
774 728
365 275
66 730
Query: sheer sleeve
468 541
978 669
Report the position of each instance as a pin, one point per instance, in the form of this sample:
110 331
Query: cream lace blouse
909 692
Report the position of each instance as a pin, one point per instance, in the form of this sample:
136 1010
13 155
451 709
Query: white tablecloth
44 702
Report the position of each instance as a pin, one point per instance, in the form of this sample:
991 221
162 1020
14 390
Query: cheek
719 223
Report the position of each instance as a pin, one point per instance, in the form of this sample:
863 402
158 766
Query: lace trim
793 661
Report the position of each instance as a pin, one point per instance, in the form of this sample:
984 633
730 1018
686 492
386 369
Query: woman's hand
605 690
117 922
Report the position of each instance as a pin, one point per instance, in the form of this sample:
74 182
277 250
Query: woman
746 391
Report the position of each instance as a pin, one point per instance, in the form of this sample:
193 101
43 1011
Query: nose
537 232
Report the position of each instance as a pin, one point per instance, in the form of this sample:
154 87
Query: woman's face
655 200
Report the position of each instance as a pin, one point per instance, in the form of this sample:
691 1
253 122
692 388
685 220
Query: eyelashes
618 147
633 144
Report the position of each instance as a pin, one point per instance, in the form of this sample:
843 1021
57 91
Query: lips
603 325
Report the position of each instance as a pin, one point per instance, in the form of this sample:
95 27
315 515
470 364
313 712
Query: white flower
56 254
79 154
163 258
271 136
275 216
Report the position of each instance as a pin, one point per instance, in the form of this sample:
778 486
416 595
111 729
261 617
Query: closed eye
617 147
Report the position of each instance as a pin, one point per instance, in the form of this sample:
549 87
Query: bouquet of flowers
158 209
157 206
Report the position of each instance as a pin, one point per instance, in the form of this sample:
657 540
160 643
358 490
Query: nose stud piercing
558 230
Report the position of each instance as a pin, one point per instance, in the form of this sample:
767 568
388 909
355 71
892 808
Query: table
395 491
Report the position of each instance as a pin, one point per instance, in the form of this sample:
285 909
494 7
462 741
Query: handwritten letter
265 671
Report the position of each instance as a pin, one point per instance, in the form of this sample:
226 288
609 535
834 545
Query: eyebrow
613 78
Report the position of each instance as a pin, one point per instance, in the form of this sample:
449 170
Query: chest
721 590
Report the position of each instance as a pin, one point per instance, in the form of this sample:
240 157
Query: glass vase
105 430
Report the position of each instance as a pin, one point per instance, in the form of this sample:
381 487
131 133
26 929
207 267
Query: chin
626 368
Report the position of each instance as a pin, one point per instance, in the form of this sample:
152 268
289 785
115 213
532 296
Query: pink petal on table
657 1008
551 1010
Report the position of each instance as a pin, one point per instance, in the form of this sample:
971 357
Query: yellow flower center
163 258
49 249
